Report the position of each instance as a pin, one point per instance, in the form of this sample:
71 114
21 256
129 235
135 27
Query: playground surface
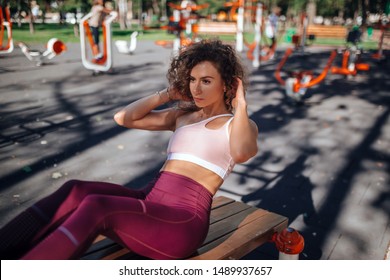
324 164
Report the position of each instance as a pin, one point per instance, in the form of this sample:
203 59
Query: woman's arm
244 132
141 114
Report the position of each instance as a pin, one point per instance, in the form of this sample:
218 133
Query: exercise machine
54 48
105 63
259 50
297 82
127 47
5 25
182 24
351 56
384 27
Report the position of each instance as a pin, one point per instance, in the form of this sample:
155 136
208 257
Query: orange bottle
290 244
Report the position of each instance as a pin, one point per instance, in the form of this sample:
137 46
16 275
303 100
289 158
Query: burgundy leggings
168 219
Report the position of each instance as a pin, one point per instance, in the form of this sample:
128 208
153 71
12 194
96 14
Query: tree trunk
311 11
122 9
31 23
19 20
156 8
365 10
129 16
164 9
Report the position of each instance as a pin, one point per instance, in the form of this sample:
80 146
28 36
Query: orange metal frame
379 54
91 42
7 19
299 74
184 41
270 51
345 69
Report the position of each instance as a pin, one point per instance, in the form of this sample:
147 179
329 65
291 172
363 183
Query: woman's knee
71 184
94 205
75 189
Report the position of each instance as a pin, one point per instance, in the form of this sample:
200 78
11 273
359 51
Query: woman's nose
197 88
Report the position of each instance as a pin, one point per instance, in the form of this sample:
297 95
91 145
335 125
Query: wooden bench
327 31
216 28
236 229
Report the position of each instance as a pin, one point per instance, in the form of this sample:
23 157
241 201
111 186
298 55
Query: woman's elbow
244 155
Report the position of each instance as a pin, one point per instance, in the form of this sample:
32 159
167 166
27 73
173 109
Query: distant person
35 10
271 27
95 22
169 219
354 35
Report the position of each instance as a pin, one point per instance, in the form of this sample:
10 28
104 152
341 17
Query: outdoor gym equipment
5 23
182 24
234 6
298 82
299 40
127 47
54 47
384 26
105 62
237 14
351 64
258 50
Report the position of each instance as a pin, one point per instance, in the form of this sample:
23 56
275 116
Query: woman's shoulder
183 117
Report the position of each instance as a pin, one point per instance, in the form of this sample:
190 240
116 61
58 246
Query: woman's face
206 85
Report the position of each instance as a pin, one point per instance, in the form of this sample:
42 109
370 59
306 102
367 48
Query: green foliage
326 8
73 6
213 8
65 33
44 32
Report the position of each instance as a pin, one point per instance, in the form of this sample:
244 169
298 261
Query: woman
168 219
95 22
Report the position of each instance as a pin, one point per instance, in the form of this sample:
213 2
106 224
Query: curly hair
222 56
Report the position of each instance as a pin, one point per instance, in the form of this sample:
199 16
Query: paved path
324 164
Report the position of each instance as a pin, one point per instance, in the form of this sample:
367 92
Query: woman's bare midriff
203 176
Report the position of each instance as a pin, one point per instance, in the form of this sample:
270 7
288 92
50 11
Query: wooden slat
242 241
228 225
325 31
226 211
221 201
217 28
220 231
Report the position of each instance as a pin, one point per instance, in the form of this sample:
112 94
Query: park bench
217 28
327 31
236 229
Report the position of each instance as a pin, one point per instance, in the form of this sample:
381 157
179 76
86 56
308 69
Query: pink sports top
203 146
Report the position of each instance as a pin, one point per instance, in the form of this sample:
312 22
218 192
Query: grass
66 33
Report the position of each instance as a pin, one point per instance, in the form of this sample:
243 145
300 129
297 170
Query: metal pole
256 51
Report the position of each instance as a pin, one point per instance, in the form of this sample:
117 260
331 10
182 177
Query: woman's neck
205 113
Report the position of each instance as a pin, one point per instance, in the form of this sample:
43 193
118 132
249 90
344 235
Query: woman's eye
192 80
206 82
